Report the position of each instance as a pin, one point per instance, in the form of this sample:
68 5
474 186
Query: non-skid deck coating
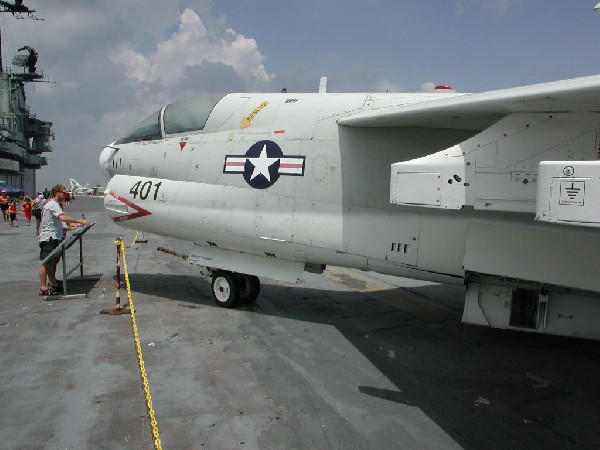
347 360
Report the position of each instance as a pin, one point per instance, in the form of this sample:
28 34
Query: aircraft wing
477 112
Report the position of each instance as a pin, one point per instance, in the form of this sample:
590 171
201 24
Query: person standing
12 212
26 206
38 206
51 235
4 202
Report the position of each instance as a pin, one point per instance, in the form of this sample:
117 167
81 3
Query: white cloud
113 63
192 45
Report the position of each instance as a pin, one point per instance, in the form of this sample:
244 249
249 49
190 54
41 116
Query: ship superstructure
23 137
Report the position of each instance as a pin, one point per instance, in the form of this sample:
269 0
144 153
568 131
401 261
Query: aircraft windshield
147 130
189 115
178 117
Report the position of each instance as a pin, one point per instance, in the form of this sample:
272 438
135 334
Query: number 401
143 189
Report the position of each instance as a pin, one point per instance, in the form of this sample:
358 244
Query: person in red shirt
27 206
4 202
12 211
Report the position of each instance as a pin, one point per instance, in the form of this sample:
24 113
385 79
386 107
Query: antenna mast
18 10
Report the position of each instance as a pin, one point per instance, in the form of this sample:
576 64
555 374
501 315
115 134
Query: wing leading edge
477 112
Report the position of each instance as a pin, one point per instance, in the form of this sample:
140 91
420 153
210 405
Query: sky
111 63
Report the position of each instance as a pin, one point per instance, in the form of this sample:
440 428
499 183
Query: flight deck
344 360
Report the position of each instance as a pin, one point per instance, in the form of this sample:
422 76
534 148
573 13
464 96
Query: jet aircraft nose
105 160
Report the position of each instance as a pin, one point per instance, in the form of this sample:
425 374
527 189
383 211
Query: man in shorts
51 235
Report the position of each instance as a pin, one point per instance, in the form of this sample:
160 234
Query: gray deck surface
343 360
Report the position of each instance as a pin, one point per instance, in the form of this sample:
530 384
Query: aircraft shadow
485 388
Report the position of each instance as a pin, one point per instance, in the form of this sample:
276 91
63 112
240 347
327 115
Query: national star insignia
262 164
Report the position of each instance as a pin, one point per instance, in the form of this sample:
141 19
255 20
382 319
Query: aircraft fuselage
271 184
291 183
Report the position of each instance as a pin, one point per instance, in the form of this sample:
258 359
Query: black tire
224 288
248 287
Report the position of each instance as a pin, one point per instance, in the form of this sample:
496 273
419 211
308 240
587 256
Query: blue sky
112 63
473 45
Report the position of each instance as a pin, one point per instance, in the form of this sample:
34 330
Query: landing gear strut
229 288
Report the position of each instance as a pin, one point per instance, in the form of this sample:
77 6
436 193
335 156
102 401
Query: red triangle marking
141 212
182 144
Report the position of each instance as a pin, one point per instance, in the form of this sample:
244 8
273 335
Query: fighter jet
499 191
79 189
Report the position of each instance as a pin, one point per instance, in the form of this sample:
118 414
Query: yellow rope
138 348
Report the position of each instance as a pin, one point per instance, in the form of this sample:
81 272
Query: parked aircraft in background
79 189
498 190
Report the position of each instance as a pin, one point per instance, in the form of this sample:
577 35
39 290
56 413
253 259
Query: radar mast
20 11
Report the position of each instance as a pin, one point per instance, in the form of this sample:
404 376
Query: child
12 211
27 206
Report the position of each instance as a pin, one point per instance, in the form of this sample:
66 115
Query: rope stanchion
131 310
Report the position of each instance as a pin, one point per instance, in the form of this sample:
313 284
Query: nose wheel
230 288
249 287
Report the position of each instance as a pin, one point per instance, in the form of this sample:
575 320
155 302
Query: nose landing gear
249 287
229 288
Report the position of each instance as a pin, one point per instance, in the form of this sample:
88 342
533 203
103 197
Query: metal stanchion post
118 309
118 281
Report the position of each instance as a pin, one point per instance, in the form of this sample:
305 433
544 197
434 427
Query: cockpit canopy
147 130
178 117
